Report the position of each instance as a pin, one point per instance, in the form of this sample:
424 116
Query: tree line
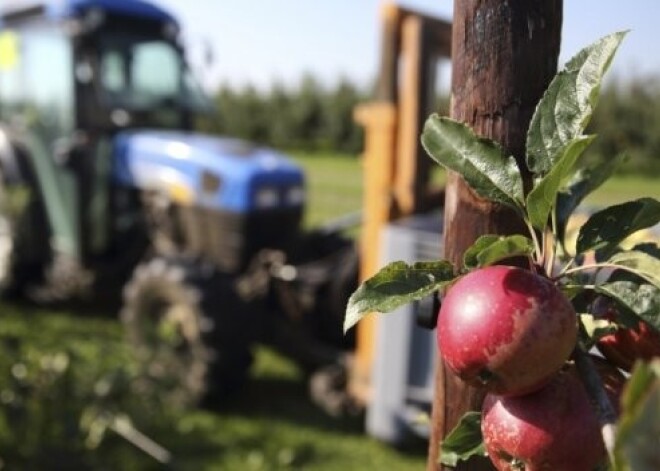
628 120
309 117
315 117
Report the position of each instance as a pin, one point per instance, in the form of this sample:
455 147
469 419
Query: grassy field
334 185
624 188
271 425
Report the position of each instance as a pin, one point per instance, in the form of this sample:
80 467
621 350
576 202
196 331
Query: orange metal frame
396 173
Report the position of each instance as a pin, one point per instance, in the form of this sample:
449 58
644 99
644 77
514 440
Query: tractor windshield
146 73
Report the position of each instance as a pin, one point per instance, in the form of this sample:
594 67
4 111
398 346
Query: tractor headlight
266 197
295 196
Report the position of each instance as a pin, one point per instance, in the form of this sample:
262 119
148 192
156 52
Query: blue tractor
105 189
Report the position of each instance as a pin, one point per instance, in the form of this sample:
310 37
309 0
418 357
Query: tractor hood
214 172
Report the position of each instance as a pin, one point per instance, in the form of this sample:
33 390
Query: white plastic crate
406 354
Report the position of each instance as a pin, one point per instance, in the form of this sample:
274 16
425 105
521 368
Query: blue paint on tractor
154 159
131 8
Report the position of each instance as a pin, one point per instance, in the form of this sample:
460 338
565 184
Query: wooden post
504 54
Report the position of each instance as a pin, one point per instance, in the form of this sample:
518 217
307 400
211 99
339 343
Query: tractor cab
95 66
98 102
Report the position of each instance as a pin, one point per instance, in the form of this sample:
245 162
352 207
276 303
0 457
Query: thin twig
124 428
565 269
595 266
553 248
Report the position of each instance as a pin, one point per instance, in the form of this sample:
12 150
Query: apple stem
538 250
596 391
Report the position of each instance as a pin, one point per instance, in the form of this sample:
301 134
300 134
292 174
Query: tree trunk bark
504 54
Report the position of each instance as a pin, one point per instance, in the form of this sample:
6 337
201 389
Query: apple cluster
512 332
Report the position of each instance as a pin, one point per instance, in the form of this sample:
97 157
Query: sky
263 41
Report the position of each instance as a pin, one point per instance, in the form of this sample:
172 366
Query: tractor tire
191 346
331 300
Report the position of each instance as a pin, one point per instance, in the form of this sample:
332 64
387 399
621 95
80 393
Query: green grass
625 188
334 185
270 425
273 425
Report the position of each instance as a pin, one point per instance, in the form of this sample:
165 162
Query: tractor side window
146 74
36 85
141 74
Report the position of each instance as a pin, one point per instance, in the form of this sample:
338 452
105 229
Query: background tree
628 120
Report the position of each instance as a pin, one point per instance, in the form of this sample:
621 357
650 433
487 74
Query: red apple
555 428
507 329
626 345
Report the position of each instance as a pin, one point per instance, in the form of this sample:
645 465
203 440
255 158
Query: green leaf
607 228
593 329
481 162
639 263
641 299
636 445
470 259
566 107
543 197
464 441
571 290
649 248
395 285
596 328
582 184
490 249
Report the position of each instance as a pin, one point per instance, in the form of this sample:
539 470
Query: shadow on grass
272 424
286 400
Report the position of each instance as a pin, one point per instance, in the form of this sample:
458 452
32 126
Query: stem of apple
537 246
596 391
553 248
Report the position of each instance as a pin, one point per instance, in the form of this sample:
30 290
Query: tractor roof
59 9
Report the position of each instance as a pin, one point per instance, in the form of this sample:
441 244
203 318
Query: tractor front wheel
187 345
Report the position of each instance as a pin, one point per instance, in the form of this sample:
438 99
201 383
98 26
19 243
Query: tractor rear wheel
188 344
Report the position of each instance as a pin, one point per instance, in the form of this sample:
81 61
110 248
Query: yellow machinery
397 174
